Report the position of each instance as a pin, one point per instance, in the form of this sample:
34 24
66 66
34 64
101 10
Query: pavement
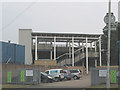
84 82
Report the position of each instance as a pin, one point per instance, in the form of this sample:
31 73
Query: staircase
64 59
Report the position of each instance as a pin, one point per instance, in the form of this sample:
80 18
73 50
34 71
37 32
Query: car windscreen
74 71
47 72
64 71
53 72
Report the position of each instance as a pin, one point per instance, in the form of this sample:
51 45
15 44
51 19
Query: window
61 71
64 72
53 71
47 72
75 71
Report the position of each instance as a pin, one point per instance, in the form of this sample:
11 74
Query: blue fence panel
8 52
13 53
20 54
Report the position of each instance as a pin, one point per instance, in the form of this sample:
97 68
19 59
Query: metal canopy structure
65 37
65 48
70 40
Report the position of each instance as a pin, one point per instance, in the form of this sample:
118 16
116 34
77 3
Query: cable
13 20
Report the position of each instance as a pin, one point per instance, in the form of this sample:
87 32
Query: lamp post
108 61
109 20
119 51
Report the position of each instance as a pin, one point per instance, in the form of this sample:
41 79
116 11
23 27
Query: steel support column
119 51
100 50
51 52
36 57
86 55
70 53
95 54
91 46
73 51
83 52
82 47
54 47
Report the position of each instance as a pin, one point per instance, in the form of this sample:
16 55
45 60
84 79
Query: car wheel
45 81
57 79
75 77
65 78
50 81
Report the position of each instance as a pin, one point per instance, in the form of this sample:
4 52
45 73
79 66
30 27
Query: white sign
29 72
102 73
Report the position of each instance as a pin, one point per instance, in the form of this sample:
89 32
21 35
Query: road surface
84 82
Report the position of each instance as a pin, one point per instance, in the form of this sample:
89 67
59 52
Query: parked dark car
76 73
46 78
67 75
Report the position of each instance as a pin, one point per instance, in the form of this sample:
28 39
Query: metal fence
18 74
98 75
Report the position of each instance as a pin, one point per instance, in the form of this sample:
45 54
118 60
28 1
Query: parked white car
57 74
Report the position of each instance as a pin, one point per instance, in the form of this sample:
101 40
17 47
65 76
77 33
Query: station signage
29 72
102 73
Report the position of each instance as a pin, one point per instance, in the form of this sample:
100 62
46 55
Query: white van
57 74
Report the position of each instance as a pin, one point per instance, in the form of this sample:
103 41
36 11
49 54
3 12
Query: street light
109 20
108 61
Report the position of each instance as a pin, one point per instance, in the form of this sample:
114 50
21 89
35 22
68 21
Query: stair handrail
68 53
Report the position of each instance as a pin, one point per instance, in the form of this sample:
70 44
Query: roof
64 34
64 37
54 69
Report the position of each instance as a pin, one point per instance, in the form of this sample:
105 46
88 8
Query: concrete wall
45 62
25 38
96 79
16 74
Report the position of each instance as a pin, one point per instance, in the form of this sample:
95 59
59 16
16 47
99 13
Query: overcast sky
56 17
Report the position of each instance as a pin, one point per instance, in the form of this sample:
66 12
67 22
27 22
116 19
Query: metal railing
78 57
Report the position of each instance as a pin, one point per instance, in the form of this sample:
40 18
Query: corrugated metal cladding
13 53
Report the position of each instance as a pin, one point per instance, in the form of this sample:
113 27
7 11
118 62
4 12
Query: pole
95 54
54 47
108 61
36 48
100 50
82 47
73 51
51 52
70 62
86 55
119 52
